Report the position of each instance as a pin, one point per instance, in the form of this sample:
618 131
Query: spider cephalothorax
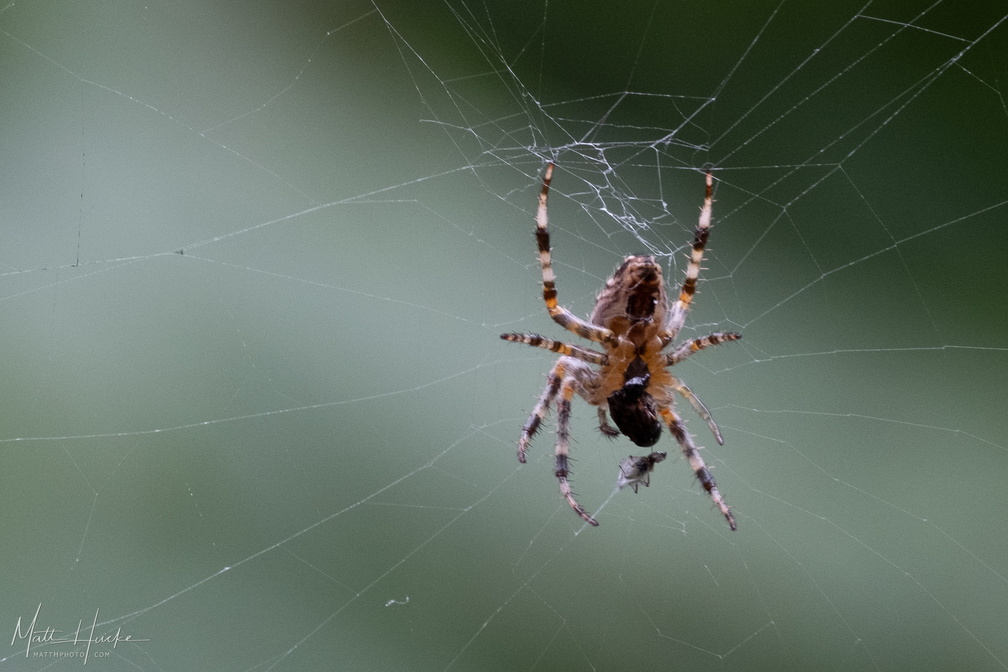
634 322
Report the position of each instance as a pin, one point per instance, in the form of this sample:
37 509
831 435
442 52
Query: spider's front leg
553 380
563 450
678 429
564 378
699 407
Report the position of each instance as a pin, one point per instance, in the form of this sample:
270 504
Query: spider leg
561 315
696 345
563 449
604 425
699 407
549 393
696 462
677 315
567 349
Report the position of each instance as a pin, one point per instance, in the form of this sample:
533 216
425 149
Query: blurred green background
256 257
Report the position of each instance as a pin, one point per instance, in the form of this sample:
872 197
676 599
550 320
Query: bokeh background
255 259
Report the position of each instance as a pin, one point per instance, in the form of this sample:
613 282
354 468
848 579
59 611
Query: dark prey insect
634 322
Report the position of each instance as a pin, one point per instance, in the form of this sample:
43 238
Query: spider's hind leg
560 315
677 316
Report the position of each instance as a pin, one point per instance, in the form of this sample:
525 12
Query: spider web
256 414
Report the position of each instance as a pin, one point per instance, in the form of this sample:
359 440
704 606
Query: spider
634 323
